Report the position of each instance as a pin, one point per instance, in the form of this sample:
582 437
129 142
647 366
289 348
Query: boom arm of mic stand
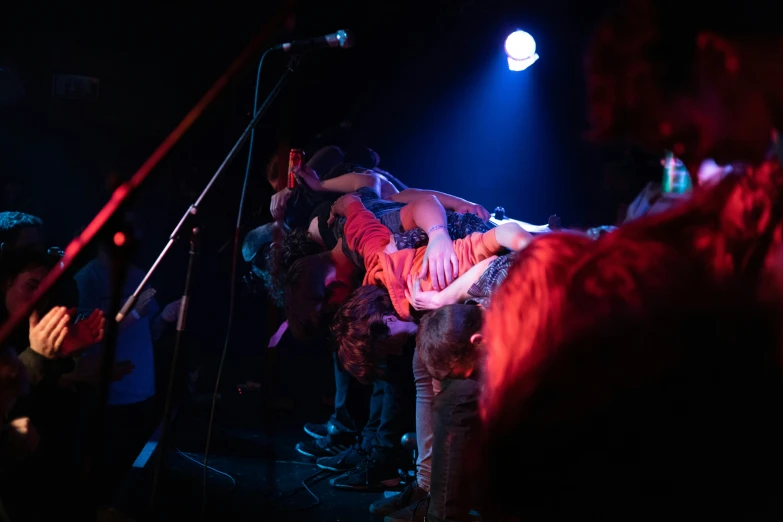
131 302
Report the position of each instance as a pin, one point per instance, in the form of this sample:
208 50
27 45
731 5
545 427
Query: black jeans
391 405
343 418
455 419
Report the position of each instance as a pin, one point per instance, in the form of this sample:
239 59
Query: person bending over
368 325
316 286
307 232
451 347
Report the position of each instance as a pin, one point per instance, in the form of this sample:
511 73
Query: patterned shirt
484 288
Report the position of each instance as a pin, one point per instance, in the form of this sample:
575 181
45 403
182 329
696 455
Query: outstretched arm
512 236
448 201
346 183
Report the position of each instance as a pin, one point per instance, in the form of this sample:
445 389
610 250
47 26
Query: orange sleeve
476 248
364 234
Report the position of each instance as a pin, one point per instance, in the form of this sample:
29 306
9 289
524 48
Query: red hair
636 358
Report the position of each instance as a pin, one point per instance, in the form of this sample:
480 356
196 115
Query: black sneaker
413 512
370 475
410 495
317 448
345 461
316 431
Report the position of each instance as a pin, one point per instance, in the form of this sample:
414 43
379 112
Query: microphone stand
181 320
192 211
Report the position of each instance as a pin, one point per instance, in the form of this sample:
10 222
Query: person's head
21 272
450 341
20 230
636 363
262 248
314 290
700 81
366 329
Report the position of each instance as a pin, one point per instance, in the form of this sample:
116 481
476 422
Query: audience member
131 413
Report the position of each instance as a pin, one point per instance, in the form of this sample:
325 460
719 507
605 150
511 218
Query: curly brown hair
359 330
296 245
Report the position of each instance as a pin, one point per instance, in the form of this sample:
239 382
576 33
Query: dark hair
650 354
17 261
272 274
306 298
296 245
642 52
12 222
359 329
265 257
14 262
444 336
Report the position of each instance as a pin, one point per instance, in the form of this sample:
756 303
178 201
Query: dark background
426 86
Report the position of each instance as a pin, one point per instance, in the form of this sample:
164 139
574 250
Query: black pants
455 419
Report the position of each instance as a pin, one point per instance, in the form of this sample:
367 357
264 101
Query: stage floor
259 475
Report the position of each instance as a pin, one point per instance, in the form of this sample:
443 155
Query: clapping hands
85 333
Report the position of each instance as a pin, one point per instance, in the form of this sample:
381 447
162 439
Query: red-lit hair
637 358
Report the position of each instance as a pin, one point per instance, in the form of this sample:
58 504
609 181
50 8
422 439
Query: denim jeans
455 416
342 419
426 389
397 413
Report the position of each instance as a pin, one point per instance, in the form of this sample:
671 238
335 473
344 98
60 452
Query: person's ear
476 339
717 52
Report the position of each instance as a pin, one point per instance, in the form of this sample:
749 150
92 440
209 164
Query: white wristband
135 314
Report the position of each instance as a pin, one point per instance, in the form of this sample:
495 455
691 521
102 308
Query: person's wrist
438 231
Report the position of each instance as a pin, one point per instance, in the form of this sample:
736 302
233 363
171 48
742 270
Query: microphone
342 39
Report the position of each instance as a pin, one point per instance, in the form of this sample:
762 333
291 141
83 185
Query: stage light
521 50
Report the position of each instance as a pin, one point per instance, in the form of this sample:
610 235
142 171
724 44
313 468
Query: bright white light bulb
520 45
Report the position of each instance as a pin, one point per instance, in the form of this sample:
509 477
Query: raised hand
309 177
84 333
48 333
278 204
171 311
143 304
